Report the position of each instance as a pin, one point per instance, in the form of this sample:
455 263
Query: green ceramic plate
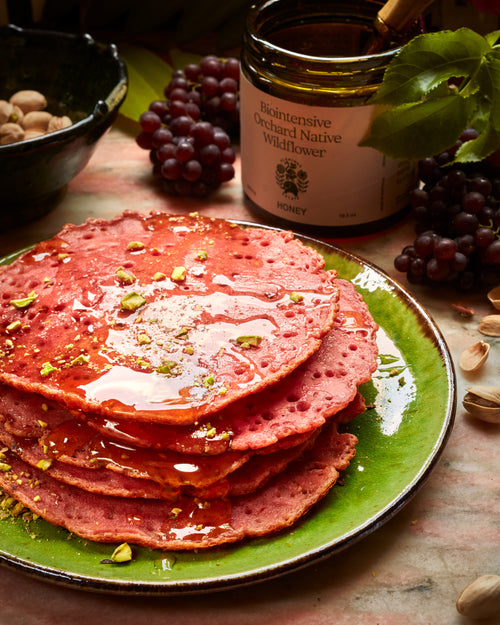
400 439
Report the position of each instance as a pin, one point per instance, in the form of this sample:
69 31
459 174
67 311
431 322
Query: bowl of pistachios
59 94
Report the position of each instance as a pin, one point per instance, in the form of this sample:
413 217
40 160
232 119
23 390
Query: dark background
202 26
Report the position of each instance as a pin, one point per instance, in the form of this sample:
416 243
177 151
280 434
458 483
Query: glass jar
305 85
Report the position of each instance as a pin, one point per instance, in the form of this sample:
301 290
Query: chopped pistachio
143 363
125 276
135 245
4 467
123 553
296 297
169 367
45 407
178 274
201 255
47 369
42 424
82 359
189 350
194 214
174 513
17 509
62 256
182 332
249 341
222 390
209 381
132 301
9 344
24 302
159 276
211 433
14 326
37 498
44 464
143 339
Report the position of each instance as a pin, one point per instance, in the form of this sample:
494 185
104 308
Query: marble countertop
409 571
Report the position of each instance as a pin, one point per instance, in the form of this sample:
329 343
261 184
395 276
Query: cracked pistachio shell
481 598
490 325
483 402
494 297
474 357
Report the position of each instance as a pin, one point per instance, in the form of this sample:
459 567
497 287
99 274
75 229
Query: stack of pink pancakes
177 382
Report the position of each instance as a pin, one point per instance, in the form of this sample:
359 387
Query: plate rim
259 575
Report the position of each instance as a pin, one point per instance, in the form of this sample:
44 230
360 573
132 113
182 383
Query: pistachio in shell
474 357
483 402
481 598
490 325
494 297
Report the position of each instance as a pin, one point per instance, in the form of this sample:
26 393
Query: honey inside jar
305 107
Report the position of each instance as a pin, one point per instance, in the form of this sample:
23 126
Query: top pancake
161 318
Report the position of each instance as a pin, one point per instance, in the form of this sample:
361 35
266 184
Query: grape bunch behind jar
189 133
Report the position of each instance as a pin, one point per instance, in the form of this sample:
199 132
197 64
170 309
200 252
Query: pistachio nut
10 113
29 100
474 356
58 123
481 598
38 120
494 297
490 325
123 553
10 133
32 133
483 402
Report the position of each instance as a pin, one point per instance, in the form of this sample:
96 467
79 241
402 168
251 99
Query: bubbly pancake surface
161 318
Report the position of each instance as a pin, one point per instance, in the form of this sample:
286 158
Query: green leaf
416 130
429 60
489 81
180 58
148 75
493 38
478 149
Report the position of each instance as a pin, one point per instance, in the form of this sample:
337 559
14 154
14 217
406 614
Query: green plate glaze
400 439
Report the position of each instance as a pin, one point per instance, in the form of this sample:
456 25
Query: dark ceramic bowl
80 78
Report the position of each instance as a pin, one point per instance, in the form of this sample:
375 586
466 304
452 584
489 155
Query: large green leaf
148 76
417 130
429 60
487 142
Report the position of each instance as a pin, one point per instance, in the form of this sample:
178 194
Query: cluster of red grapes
189 133
457 223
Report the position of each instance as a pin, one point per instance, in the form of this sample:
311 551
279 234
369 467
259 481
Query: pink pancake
161 318
103 481
320 387
188 523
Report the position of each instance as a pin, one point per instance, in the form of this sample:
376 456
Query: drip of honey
76 439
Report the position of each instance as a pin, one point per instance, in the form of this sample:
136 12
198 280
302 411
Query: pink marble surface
408 572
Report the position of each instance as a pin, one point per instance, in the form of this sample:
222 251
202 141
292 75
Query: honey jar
304 96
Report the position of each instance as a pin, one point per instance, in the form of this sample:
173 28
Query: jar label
303 163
